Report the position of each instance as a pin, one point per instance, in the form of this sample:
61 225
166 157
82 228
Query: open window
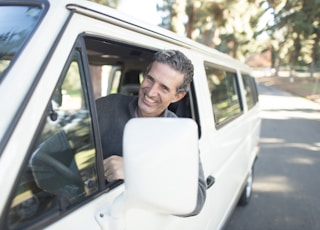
119 68
116 67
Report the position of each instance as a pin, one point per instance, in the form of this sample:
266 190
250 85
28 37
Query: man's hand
113 168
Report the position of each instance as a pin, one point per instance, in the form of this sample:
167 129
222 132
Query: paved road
286 190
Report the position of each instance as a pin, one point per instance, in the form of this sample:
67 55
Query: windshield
16 26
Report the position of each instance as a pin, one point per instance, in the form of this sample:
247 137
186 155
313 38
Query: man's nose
153 90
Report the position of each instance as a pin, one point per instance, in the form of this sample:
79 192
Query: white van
56 58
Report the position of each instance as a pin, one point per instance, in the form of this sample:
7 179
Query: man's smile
148 100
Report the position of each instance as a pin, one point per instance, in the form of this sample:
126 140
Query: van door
60 173
223 142
61 184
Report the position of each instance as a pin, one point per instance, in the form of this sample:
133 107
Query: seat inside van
131 83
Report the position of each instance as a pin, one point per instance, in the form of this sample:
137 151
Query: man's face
158 89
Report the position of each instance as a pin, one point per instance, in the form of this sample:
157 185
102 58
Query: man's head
165 81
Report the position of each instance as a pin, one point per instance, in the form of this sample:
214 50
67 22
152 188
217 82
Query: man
165 81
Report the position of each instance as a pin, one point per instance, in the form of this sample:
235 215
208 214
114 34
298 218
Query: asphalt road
286 189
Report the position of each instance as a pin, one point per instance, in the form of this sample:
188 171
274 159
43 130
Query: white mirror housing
161 164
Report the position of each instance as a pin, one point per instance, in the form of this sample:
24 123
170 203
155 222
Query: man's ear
178 96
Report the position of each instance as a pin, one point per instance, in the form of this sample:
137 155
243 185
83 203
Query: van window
223 87
61 170
251 92
120 68
16 25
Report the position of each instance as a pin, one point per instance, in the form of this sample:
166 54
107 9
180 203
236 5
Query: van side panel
228 152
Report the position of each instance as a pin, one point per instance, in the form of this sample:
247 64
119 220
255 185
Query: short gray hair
178 61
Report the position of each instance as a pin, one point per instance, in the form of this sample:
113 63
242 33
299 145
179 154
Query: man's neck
138 114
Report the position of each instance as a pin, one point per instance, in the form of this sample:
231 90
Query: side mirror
161 164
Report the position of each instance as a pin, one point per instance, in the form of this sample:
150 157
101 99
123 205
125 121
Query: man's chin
147 112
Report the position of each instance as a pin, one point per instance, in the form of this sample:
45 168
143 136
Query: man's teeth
149 100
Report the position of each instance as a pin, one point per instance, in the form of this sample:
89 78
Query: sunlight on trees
289 29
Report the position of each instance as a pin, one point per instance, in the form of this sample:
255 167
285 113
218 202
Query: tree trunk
190 12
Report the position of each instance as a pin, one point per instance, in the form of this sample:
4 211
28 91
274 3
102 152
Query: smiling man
158 89
165 81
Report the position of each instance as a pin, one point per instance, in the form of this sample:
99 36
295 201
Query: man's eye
164 88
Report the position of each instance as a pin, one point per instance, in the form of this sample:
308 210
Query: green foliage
110 3
295 32
228 26
244 27
240 28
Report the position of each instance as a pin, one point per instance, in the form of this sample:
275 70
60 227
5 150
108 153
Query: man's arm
202 192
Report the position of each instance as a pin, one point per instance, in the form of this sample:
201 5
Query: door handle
210 181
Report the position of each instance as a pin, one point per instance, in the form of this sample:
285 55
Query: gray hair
178 61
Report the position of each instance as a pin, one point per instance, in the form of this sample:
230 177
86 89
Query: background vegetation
287 30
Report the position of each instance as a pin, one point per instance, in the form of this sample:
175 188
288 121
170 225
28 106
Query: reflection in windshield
16 25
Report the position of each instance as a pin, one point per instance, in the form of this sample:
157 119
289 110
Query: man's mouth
148 101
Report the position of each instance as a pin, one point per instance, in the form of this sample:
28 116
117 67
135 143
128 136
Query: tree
298 23
240 28
110 3
173 14
225 25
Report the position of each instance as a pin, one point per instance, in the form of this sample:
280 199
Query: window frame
93 111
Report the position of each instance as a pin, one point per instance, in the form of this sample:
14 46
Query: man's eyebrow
149 76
